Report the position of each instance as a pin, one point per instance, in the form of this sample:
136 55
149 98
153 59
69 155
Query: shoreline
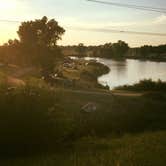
123 58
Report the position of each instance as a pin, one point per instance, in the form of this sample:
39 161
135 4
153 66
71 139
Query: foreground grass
37 119
147 149
56 114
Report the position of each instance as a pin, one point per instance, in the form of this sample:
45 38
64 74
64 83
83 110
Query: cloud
160 20
145 24
70 21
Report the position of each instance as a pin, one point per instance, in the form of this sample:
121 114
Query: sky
75 14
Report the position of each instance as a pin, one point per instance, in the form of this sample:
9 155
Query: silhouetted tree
10 52
81 49
41 32
39 41
111 50
106 50
120 48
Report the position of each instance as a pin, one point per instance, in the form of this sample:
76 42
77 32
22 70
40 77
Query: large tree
119 49
41 32
39 42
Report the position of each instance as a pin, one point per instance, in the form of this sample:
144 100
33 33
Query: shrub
145 85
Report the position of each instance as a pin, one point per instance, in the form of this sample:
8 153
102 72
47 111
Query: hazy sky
84 14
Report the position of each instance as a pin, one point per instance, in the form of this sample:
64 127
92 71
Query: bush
145 85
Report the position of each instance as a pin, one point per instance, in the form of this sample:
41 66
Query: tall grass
30 118
140 150
37 117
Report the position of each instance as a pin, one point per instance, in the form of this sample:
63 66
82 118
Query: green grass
30 118
60 111
50 123
117 114
147 149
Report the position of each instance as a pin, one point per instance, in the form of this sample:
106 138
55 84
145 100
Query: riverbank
69 73
79 74
128 72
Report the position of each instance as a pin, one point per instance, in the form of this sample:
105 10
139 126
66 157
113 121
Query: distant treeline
117 50
149 52
107 50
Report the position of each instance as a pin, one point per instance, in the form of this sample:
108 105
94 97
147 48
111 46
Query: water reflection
131 71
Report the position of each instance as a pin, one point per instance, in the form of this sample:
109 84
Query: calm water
131 71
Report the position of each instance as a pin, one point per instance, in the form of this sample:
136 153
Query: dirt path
126 93
111 93
22 72
15 80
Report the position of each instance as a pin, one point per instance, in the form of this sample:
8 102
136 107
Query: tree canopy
111 50
38 40
37 45
42 32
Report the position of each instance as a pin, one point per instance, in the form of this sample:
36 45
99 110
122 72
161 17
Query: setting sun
7 5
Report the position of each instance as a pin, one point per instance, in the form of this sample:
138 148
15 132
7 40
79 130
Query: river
130 71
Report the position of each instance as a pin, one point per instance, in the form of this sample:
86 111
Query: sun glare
7 5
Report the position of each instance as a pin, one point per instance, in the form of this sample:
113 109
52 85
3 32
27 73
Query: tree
120 48
39 42
41 32
106 50
81 49
10 52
